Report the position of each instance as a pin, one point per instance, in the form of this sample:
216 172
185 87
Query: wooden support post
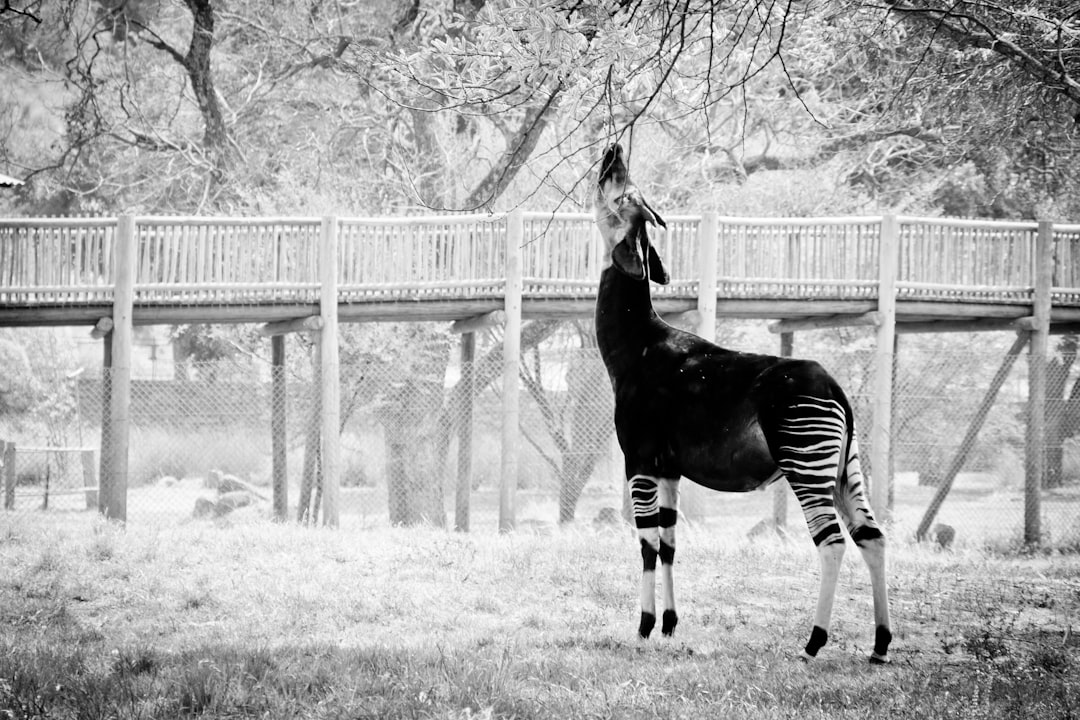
706 299
112 500
781 489
90 478
972 434
1038 350
881 432
106 427
692 495
278 409
465 433
8 449
515 237
330 381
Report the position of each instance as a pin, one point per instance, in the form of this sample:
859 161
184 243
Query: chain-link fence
422 434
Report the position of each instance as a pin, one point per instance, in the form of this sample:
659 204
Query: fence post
515 237
90 478
8 449
465 433
330 383
278 409
1038 349
112 500
884 349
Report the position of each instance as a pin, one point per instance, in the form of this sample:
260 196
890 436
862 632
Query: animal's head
623 216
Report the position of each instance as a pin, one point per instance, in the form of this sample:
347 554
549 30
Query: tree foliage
316 105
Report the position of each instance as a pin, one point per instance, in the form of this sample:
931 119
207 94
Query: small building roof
7 181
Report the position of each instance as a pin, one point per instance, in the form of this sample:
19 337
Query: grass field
248 619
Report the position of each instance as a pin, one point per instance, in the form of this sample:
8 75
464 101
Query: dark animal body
730 421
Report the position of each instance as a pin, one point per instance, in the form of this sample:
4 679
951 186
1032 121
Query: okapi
727 420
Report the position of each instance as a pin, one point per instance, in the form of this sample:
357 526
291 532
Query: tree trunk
519 148
197 63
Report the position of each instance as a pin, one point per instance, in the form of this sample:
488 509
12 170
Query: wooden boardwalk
227 270
897 274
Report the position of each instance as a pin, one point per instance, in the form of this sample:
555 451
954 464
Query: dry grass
258 619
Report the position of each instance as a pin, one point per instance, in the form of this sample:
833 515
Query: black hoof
818 638
882 638
648 622
670 621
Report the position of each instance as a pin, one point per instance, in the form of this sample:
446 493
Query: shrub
158 453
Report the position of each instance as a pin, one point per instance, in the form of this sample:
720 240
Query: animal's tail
851 489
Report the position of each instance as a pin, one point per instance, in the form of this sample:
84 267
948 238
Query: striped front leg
655 503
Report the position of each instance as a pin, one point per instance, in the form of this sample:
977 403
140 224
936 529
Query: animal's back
705 412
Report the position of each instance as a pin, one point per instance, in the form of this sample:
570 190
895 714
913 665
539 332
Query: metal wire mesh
419 447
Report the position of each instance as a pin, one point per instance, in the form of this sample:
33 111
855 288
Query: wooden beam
1038 350
12 315
1064 315
330 379
971 435
284 327
213 314
872 318
750 308
515 237
102 328
412 311
478 323
929 310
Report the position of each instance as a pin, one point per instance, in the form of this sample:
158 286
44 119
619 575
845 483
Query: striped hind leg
655 504
808 450
864 530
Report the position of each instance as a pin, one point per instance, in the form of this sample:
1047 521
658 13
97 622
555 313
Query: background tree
747 107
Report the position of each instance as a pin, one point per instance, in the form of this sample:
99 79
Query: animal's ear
657 272
627 259
653 216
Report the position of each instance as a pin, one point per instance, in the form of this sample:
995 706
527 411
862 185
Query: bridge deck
56 271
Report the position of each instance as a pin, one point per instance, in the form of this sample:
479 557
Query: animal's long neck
624 319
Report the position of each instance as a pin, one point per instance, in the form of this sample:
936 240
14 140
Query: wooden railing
192 261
